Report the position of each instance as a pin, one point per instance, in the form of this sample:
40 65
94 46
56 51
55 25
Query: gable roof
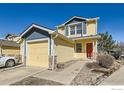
74 17
4 42
77 17
36 26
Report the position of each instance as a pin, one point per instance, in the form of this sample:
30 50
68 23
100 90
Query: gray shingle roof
8 43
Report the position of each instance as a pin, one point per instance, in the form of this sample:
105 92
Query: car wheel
10 63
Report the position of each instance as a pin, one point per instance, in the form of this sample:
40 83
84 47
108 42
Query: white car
7 61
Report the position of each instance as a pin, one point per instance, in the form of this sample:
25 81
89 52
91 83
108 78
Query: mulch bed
85 77
36 81
93 74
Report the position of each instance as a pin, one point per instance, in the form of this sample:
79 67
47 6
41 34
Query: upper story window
84 28
66 31
75 29
79 28
72 29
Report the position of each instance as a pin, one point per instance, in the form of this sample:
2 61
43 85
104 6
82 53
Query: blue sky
14 18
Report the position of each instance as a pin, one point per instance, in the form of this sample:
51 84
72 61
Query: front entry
89 50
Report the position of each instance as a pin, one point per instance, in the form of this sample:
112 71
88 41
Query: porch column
93 49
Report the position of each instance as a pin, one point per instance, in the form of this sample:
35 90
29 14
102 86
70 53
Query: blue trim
37 25
36 34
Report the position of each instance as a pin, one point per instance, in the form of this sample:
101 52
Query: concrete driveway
11 76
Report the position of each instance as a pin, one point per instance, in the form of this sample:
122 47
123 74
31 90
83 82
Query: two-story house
84 33
74 39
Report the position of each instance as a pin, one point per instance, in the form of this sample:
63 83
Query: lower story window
78 48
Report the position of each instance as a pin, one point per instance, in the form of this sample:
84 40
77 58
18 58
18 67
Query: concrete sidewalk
65 76
117 78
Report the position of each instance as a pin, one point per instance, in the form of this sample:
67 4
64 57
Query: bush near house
105 60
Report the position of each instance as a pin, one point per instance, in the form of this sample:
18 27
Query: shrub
105 60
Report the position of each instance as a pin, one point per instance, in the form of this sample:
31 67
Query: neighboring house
12 37
74 39
9 48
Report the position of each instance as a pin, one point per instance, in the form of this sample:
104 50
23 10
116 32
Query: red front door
89 49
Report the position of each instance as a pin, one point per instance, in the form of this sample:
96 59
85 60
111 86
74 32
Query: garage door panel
38 54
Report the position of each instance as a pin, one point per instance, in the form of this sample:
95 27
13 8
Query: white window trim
75 30
83 30
69 32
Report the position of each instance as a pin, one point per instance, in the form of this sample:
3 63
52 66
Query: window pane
84 28
66 31
78 47
72 30
79 28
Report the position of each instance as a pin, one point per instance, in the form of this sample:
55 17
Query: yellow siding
84 42
10 51
64 50
37 54
80 55
61 30
91 28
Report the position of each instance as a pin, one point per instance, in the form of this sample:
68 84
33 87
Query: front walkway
65 76
117 78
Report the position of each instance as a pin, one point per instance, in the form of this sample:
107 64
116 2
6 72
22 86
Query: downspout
53 50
